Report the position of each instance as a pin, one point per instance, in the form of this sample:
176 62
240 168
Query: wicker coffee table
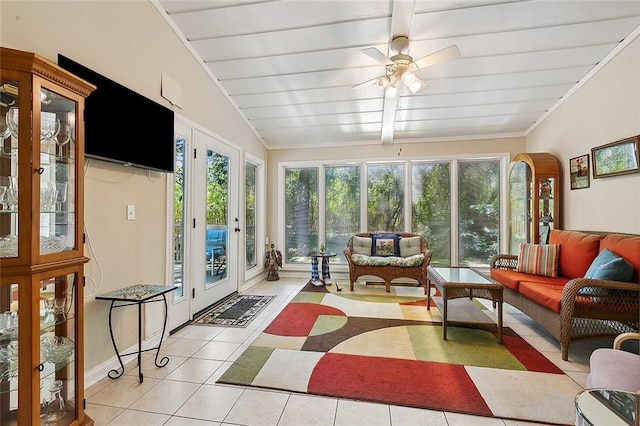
463 284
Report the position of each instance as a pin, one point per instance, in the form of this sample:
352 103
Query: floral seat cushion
364 260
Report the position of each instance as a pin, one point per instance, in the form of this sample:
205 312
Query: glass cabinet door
57 172
9 168
57 349
8 352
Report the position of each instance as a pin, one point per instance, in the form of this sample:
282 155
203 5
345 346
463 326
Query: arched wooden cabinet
535 196
41 244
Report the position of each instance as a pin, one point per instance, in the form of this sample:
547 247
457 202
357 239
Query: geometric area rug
387 347
238 310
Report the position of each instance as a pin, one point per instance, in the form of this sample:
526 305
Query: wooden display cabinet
41 247
534 198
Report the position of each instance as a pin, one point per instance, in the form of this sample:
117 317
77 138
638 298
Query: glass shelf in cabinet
49 321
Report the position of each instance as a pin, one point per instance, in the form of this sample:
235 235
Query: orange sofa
569 306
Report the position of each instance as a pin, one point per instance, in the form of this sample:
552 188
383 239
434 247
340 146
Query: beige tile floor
185 393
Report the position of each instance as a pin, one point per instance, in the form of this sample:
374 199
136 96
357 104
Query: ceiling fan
401 68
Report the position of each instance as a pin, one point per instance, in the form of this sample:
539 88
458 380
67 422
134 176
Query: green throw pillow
609 266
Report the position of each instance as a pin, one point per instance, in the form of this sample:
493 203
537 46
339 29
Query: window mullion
455 229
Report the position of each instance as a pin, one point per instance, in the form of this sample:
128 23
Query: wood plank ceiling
289 66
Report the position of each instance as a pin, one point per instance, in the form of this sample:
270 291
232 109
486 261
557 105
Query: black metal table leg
165 360
114 374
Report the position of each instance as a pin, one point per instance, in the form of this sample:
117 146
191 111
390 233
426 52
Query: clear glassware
61 195
12 121
5 131
3 191
55 403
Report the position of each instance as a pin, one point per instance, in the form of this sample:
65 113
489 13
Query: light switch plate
131 212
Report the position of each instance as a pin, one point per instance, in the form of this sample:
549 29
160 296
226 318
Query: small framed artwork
579 172
616 158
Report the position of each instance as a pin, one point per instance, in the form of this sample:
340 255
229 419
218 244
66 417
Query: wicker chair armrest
601 295
504 261
427 257
623 338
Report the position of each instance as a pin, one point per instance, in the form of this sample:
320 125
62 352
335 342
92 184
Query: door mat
387 347
237 311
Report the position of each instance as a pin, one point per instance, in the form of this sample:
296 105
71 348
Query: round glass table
607 407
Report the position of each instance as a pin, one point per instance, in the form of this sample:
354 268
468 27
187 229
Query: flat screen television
123 126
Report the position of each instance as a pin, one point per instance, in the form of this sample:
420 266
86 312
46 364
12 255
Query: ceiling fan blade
417 86
444 55
377 55
366 83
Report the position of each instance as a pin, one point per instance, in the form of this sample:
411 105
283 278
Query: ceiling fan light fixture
408 78
415 86
383 81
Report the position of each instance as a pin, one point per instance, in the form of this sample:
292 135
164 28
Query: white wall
129 42
605 109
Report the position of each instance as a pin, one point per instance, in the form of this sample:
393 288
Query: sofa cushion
385 245
547 295
409 246
362 260
627 247
538 259
512 279
361 245
507 278
609 266
577 251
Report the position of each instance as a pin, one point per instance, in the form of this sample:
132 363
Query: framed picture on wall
616 158
579 172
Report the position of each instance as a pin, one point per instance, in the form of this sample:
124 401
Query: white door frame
182 309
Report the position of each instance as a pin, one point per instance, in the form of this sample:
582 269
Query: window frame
503 158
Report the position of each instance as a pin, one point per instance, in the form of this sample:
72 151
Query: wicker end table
463 284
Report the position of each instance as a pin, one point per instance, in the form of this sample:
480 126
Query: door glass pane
250 215
57 349
342 216
301 210
9 170
519 205
57 181
431 208
385 197
217 197
479 211
179 186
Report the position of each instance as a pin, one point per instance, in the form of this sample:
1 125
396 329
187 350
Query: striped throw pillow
538 259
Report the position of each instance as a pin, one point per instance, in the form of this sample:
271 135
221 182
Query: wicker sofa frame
590 309
389 272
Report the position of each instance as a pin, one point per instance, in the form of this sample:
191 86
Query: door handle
237 229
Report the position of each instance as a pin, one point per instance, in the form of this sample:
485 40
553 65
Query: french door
206 226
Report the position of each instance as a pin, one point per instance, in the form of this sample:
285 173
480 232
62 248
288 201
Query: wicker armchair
389 272
590 309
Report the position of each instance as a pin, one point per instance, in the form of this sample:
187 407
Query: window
250 215
454 203
178 216
385 197
431 208
342 208
301 213
479 211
